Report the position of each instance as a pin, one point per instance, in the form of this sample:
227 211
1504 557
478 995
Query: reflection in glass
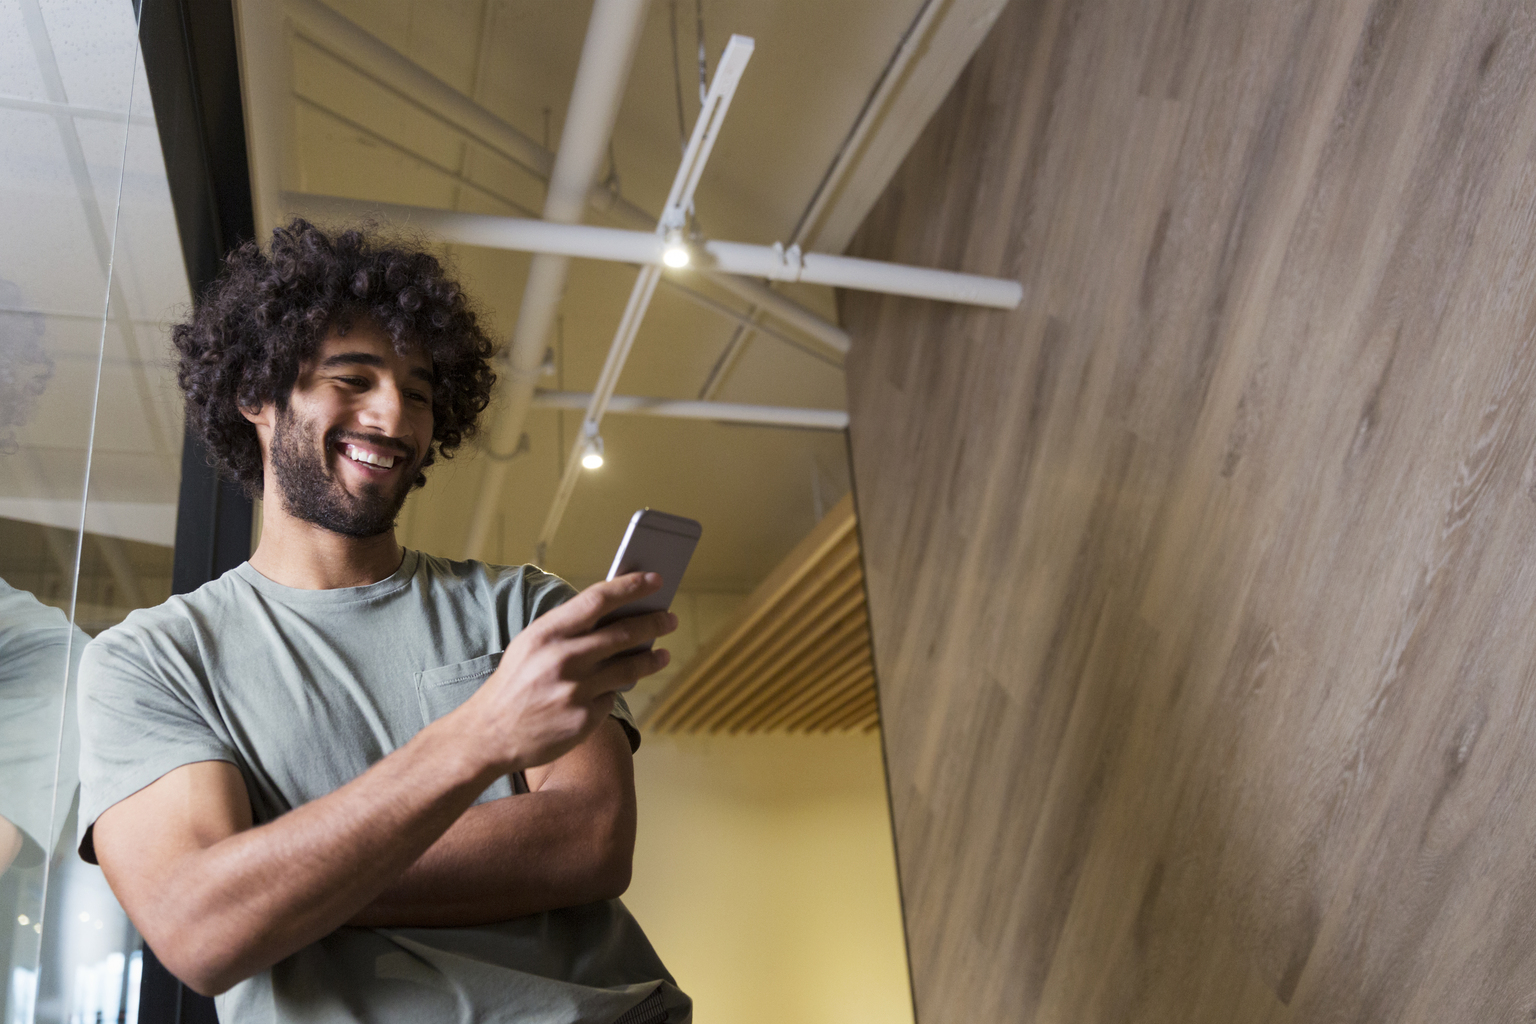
90 271
37 653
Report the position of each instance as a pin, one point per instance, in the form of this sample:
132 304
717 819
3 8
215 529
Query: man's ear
260 415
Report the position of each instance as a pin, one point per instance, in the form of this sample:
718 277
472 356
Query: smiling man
348 781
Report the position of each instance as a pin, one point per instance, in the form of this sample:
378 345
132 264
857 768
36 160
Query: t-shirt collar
397 580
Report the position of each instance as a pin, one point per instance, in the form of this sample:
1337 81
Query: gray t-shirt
38 652
303 690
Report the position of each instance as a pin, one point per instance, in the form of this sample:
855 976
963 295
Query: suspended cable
677 80
559 383
703 61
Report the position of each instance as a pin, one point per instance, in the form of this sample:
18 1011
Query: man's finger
622 673
601 644
580 613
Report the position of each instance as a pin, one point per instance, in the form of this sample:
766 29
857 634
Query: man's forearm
257 896
569 842
499 862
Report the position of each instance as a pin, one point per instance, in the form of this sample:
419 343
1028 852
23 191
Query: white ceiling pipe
522 234
72 110
706 129
584 240
645 247
932 52
728 412
375 58
737 316
779 306
831 184
381 62
785 309
778 264
346 40
613 36
597 402
266 73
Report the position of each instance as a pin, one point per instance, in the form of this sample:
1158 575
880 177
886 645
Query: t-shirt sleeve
627 720
32 696
138 722
543 591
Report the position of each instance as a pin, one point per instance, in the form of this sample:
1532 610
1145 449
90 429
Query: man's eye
356 382
417 396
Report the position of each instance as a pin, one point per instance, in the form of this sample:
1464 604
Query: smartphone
654 542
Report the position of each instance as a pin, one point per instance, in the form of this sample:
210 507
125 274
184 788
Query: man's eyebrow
369 359
343 358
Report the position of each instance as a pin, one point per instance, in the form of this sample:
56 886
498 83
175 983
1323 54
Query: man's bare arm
569 841
219 900
10 844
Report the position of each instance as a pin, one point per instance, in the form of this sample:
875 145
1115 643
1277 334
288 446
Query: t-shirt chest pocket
440 690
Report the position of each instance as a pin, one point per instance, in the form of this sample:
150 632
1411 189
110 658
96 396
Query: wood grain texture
1202 585
795 658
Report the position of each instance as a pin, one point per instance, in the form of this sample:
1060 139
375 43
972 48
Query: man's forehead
369 346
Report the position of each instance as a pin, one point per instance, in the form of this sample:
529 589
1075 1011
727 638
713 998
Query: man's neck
297 553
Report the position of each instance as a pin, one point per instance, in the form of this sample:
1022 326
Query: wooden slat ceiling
796 658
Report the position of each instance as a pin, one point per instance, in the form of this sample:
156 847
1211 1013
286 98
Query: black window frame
191 60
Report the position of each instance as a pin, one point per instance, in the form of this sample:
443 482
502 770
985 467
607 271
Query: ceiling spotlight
592 452
674 253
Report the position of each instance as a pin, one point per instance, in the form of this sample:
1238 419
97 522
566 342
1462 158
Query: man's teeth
359 455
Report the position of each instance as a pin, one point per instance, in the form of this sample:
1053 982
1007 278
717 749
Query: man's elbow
613 862
614 874
205 974
213 984
201 958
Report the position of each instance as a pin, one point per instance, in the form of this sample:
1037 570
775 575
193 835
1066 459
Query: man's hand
558 678
219 900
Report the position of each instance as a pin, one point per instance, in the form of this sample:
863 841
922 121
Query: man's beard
311 493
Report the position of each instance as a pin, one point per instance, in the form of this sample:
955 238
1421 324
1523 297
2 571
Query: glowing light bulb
675 252
84 917
592 453
23 920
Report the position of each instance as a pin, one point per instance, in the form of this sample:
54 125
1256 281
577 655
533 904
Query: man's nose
384 410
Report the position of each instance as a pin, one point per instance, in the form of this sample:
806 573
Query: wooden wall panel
794 658
1203 586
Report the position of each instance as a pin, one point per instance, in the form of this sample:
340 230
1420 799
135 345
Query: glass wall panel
90 272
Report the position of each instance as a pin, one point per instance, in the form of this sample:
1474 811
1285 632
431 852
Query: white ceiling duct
332 32
613 35
355 46
646 248
721 412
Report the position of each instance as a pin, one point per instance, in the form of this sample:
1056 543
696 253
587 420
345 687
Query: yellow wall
765 877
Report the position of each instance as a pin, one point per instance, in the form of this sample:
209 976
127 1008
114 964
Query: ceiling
90 273
84 182
757 490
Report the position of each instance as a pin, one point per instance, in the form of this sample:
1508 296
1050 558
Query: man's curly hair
24 364
269 312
